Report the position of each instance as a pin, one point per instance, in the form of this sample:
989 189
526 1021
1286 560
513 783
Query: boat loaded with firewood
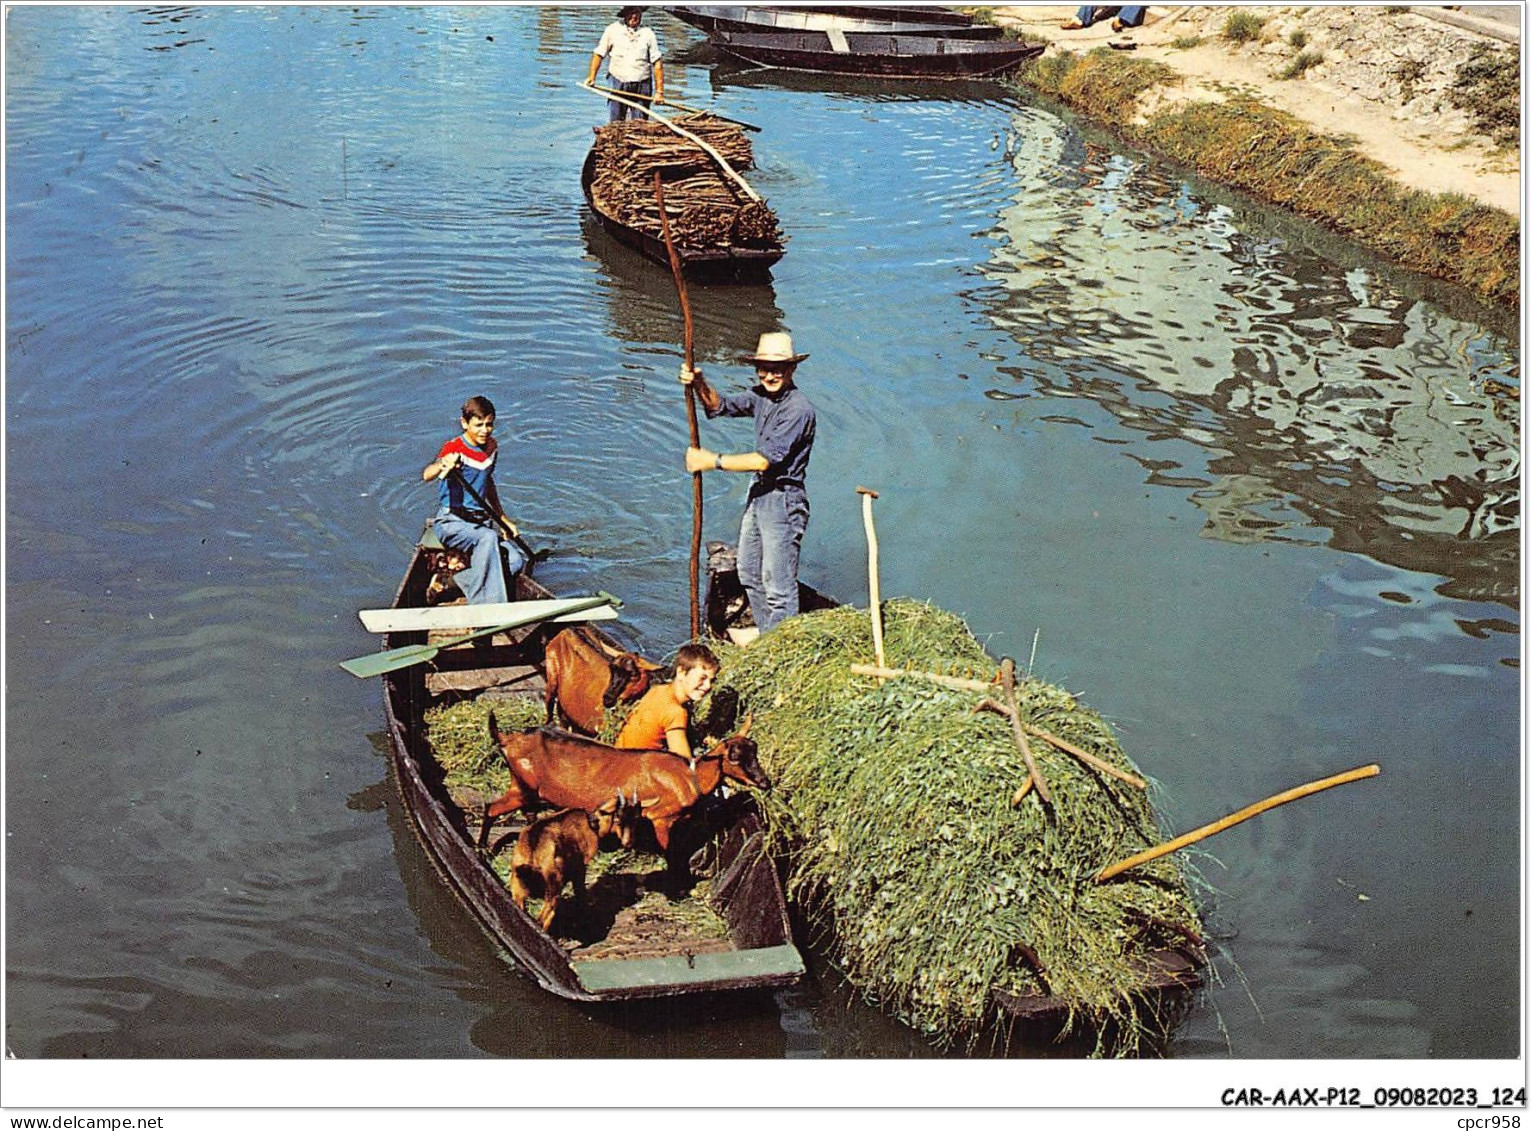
721 226
636 934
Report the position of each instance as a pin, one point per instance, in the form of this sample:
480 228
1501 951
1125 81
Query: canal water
1248 492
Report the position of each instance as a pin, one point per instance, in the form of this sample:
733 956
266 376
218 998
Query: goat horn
745 729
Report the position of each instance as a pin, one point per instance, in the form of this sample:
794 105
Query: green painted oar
396 658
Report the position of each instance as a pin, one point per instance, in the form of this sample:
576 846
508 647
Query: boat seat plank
473 616
600 976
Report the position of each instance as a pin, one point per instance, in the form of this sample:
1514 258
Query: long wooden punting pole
696 435
1234 818
687 134
874 590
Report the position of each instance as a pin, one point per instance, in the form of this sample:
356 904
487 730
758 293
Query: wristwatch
717 461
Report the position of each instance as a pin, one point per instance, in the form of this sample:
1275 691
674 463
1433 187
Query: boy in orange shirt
660 719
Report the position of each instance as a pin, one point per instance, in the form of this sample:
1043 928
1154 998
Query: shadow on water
643 309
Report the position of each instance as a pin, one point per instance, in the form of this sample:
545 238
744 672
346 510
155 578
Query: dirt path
1408 126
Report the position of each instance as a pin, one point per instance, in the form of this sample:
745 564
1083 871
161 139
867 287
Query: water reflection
1327 406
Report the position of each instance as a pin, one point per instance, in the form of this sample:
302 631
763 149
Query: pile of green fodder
892 803
458 733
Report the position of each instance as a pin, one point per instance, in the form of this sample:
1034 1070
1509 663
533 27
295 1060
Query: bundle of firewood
707 208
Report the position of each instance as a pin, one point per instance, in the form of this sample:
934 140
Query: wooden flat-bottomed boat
772 17
879 55
742 264
625 963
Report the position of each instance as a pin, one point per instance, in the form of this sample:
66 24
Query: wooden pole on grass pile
874 590
1234 818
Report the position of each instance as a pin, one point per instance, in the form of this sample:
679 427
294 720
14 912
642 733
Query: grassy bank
1271 155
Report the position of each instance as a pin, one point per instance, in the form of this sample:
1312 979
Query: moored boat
876 54
748 943
769 17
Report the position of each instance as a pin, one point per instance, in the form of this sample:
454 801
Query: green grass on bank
1274 156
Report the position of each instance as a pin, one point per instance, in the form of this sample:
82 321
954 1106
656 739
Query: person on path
461 523
662 716
1130 16
633 63
776 512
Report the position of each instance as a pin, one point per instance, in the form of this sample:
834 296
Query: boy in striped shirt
462 523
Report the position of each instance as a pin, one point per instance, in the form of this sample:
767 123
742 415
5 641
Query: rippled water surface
1250 494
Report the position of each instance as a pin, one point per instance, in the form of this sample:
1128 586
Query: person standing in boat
633 64
776 512
462 523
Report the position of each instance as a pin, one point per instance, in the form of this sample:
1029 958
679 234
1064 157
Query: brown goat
550 852
566 769
585 678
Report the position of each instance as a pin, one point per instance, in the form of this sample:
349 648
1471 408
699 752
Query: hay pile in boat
894 804
707 208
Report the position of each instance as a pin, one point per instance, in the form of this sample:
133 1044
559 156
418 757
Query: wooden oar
687 134
532 556
1234 818
696 436
394 659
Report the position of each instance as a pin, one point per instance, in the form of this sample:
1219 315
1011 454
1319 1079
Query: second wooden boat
772 17
733 262
876 54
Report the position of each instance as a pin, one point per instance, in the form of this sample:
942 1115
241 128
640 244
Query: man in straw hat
776 513
632 62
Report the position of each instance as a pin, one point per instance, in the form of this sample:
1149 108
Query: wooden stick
696 442
867 495
1020 794
952 681
1234 818
957 683
687 134
1007 675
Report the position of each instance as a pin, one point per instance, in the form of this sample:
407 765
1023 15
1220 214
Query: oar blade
395 659
380 663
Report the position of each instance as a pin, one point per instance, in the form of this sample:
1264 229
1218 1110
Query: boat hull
880 56
756 18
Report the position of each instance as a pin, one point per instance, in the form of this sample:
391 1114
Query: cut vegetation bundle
708 209
892 803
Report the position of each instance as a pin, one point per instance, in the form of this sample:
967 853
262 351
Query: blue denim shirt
784 430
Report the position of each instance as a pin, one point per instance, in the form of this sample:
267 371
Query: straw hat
776 348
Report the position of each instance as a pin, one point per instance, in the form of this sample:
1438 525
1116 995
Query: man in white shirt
632 62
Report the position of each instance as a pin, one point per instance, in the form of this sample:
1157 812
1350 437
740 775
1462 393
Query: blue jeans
492 558
618 110
769 540
1131 16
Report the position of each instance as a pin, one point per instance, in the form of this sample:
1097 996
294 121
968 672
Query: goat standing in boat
556 849
585 679
568 770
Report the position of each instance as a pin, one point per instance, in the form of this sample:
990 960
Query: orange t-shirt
656 714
